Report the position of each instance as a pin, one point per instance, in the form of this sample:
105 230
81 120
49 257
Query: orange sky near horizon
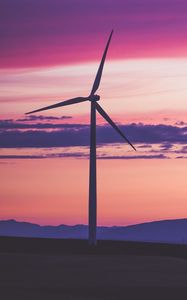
55 191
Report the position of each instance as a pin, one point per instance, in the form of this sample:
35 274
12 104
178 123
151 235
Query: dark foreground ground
69 269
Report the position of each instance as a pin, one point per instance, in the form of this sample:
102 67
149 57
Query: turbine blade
63 103
100 70
109 120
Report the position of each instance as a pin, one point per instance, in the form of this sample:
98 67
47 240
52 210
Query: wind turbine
93 98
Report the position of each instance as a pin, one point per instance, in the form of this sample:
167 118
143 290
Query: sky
50 51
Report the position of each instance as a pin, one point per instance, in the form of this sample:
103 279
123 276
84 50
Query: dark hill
167 231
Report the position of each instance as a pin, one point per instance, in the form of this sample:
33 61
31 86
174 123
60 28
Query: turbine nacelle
94 98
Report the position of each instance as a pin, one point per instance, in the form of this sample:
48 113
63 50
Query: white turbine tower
93 98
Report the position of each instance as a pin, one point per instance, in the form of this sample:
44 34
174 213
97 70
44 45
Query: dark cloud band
20 135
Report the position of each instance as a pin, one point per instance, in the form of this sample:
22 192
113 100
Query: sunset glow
53 55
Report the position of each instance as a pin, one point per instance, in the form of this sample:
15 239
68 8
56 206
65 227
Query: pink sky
52 54
55 191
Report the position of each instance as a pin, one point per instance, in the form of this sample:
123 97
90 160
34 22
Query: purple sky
52 32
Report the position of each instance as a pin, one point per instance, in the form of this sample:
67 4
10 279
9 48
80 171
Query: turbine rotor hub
94 97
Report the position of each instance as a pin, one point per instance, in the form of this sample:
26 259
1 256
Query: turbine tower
93 98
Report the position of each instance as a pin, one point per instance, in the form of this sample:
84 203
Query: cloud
20 156
166 146
66 135
41 118
145 146
159 156
35 156
147 134
11 124
183 150
83 155
44 139
181 123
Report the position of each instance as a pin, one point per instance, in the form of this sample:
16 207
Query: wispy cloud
83 155
41 118
159 156
22 124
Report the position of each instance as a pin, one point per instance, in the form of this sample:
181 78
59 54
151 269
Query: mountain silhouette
166 231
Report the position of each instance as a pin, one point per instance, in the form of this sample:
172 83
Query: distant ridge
166 231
